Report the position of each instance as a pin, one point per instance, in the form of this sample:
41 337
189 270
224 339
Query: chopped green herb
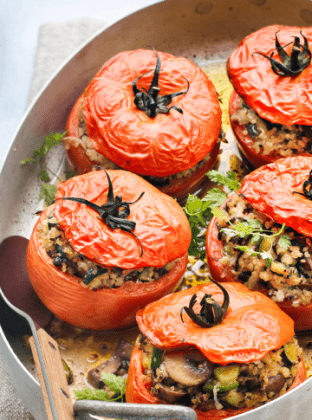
229 180
200 211
47 191
284 241
116 384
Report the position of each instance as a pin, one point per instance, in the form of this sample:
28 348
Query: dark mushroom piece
170 394
189 368
116 362
275 384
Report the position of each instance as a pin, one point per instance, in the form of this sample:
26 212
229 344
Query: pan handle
134 411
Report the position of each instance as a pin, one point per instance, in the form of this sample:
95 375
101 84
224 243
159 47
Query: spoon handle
56 375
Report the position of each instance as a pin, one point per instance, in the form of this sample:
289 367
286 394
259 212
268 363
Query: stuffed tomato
262 237
221 350
149 113
109 245
271 106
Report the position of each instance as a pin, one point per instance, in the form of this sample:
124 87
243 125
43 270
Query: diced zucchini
234 398
226 374
279 268
147 356
211 384
266 244
156 358
290 351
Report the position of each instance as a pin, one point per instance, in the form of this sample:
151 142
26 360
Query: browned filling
188 378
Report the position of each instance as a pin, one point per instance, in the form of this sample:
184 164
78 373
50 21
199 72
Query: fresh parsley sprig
47 191
115 383
229 180
200 211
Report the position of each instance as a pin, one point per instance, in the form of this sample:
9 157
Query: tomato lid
161 225
162 145
284 100
252 327
270 189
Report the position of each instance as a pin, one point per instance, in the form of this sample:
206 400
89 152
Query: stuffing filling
264 255
188 378
273 138
89 273
103 162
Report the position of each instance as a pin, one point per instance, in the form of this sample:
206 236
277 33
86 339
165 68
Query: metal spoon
17 292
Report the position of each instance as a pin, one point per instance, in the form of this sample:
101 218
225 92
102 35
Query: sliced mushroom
189 368
275 384
170 394
121 354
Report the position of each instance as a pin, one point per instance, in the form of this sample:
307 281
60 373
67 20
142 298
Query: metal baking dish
205 31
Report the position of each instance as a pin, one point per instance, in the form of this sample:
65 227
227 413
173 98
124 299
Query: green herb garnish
116 384
200 211
47 191
253 228
229 180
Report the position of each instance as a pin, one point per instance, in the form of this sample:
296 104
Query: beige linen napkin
56 41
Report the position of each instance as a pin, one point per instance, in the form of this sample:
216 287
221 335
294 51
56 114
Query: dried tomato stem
150 101
291 65
211 313
110 213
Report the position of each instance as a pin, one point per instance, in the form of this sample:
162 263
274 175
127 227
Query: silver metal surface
134 411
205 31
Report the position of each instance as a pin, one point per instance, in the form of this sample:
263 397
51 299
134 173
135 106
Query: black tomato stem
150 101
211 313
110 212
294 64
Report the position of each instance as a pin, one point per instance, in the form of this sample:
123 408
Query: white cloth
56 41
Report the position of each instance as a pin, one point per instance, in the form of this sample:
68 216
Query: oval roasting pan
205 31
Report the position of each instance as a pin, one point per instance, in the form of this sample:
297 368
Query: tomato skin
283 100
139 384
270 189
245 141
161 224
104 309
81 163
251 328
159 146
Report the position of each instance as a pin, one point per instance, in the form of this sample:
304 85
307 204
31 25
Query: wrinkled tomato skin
271 189
284 100
252 327
105 309
139 384
302 315
80 162
245 141
161 226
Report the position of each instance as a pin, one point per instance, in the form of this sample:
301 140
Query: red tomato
284 100
161 227
252 327
269 189
245 141
160 146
